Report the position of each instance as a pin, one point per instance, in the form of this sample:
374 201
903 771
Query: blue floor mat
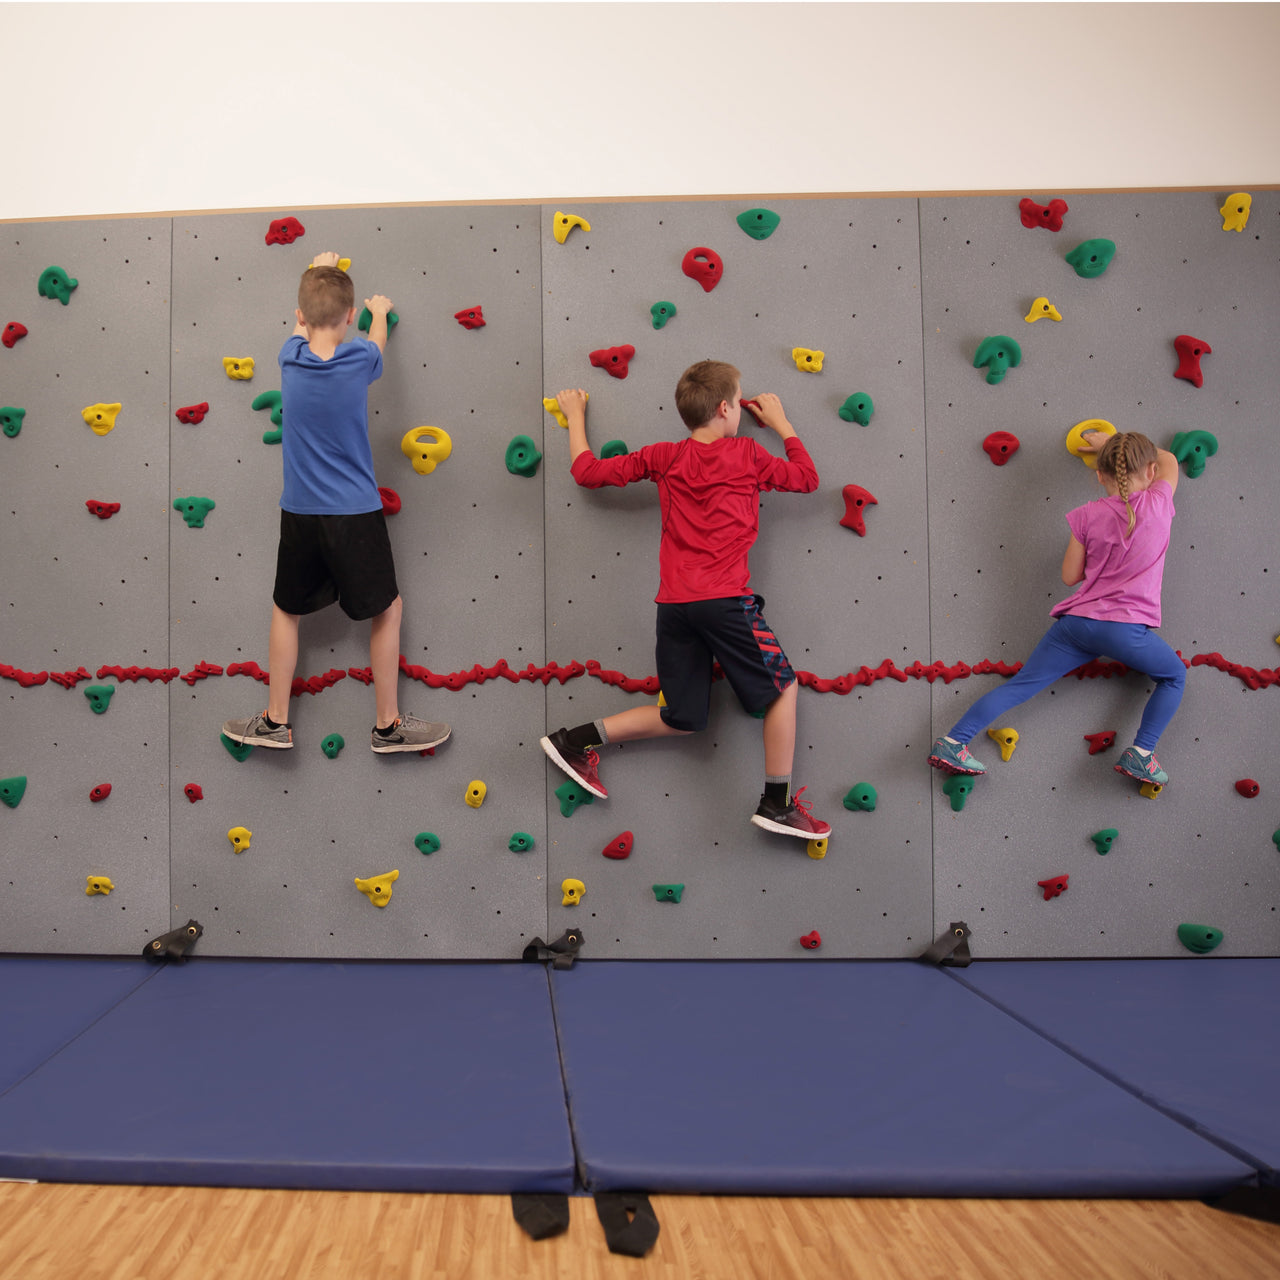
366 1076
846 1078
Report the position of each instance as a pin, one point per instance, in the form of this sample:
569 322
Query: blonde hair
325 296
1124 453
702 387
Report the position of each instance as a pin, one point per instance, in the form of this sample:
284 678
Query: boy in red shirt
708 487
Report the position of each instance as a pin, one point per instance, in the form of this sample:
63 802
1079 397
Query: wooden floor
152 1233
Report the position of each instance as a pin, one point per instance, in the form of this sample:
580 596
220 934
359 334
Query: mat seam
579 1169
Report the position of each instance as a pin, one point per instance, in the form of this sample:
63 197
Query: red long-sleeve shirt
709 496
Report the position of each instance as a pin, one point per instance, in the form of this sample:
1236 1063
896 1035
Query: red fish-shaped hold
1100 741
470 318
103 510
100 792
856 499
1189 351
12 332
1054 886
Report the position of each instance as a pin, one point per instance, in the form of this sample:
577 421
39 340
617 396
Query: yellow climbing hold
808 361
817 848
662 697
1042 309
239 837
1151 789
1075 438
98 884
563 223
552 406
100 418
476 792
1235 212
425 457
238 368
344 264
573 891
1006 740
378 888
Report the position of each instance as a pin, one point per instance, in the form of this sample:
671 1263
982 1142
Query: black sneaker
582 766
793 819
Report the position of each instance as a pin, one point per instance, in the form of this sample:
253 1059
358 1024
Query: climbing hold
11 420
857 408
1151 789
1189 351
1000 446
98 884
427 842
476 792
1042 309
620 846
193 413
615 361
239 837
470 317
522 457
958 786
571 795
332 745
1193 449
12 332
811 941
103 510
1104 839
759 224
1235 211
344 264
238 368
1248 788
573 891
274 401
563 223
174 944
668 892
194 510
12 790
1092 257
99 696
390 500
1048 215
100 418
704 266
193 791
238 750
1100 741
378 888
520 842
1054 886
856 498
1075 438
55 283
808 361
1200 938
366 319
816 849
998 355
100 792
614 449
661 312
1006 739
552 406
425 457
1275 839
861 796
284 230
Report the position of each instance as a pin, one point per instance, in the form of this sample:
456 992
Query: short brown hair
702 387
325 296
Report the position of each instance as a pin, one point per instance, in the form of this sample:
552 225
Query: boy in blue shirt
333 535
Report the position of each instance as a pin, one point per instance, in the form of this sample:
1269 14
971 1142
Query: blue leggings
1070 643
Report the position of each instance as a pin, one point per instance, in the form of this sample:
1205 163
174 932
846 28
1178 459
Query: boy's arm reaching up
378 308
796 474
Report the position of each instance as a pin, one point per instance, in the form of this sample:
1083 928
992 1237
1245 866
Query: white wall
147 107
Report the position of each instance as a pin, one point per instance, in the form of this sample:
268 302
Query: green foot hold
614 449
759 224
571 795
11 420
1200 938
427 842
366 319
55 283
194 510
274 401
1092 258
861 796
1275 839
12 790
520 842
332 745
668 892
239 750
661 313
958 786
523 457
1104 839
998 354
857 408
1193 449
99 696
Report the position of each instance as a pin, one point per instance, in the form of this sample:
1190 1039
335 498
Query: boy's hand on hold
325 260
378 305
573 402
768 409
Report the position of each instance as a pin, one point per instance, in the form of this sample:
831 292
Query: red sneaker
794 819
582 766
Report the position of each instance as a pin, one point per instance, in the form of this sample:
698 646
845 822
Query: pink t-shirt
1122 573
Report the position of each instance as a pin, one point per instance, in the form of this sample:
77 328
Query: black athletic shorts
343 558
731 631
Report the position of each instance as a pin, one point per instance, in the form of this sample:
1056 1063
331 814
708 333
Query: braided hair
1124 453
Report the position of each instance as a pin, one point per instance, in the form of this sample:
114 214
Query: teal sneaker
954 757
1144 768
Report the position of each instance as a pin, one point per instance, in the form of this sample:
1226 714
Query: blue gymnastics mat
1199 1039
364 1076
847 1078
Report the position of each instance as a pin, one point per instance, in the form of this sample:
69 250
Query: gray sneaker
253 732
411 734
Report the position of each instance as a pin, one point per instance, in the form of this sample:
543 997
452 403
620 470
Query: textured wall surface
959 565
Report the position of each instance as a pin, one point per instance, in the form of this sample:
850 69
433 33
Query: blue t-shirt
328 462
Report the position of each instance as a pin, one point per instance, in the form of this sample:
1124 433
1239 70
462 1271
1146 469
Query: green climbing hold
1104 839
1275 839
332 745
274 401
861 796
520 842
571 795
194 510
99 696
759 224
11 420
857 408
427 842
668 892
55 283
366 319
614 449
239 750
661 313
1193 449
523 457
999 354
12 790
1200 938
1092 257
958 786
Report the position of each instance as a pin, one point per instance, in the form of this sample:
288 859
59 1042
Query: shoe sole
947 767
1141 777
778 829
246 741
560 763
392 748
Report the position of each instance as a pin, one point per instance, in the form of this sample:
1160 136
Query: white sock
1141 752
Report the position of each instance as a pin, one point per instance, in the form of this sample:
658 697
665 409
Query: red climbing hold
25 678
1248 788
193 791
69 679
100 792
103 510
703 265
619 846
249 669
613 360
470 318
390 501
811 941
364 674
1042 215
1053 886
192 413
12 332
1000 446
1100 741
1189 351
201 671
284 231
855 499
